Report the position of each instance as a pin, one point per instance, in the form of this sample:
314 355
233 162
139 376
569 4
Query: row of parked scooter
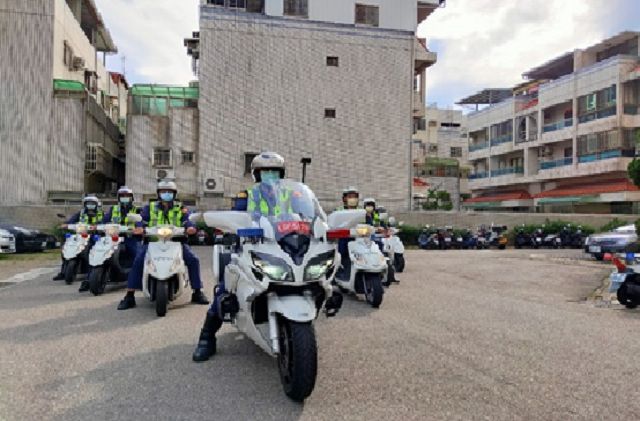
568 237
447 238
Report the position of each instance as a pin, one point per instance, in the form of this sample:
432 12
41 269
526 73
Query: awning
519 195
68 85
567 199
612 186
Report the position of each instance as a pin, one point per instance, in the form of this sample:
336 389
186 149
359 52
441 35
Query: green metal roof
68 85
567 199
445 162
181 92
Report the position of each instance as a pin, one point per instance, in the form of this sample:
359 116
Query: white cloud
150 34
488 43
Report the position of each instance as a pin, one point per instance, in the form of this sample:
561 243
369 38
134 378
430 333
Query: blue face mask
270 176
125 200
166 196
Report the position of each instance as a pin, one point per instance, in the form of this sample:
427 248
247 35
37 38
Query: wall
68 29
67 145
475 219
264 85
35 217
26 95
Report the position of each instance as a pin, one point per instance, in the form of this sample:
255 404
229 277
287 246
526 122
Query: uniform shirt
146 215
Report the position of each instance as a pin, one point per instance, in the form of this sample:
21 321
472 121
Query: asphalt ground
465 335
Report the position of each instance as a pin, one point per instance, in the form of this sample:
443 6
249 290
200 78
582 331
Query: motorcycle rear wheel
623 297
97 280
298 359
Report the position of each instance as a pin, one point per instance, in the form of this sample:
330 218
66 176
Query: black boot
59 277
129 301
84 286
207 342
198 297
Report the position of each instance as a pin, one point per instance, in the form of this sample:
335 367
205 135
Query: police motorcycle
278 277
75 251
108 261
165 277
396 246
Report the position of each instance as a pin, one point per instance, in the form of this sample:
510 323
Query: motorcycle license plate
288 227
447 240
44 245
595 249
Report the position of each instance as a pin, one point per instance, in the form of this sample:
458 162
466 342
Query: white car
617 241
7 242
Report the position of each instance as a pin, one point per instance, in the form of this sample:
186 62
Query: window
456 152
248 157
188 157
367 15
433 148
329 113
297 8
433 123
68 56
162 157
333 61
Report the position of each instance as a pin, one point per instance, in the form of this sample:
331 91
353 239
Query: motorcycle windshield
289 207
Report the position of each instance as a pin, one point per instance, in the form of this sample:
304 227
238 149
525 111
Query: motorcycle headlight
273 267
165 232
319 266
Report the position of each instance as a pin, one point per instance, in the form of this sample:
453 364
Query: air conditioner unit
164 174
77 63
213 185
547 150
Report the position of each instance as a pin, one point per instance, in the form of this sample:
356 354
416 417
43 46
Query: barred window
162 157
188 157
297 8
456 152
367 15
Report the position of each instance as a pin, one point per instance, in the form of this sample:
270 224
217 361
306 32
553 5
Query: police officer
372 217
166 210
350 198
90 214
267 169
119 214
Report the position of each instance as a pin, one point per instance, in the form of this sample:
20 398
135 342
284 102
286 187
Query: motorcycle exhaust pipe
273 333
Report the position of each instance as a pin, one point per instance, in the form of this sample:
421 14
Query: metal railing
609 111
599 156
507 171
478 175
556 163
558 125
632 109
478 146
502 139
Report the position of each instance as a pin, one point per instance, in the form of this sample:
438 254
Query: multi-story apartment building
561 141
329 80
440 155
62 112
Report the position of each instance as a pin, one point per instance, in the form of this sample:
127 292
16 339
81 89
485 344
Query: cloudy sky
480 43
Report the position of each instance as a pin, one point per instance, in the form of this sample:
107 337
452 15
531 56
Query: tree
634 166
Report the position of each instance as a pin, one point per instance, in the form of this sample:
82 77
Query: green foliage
633 170
409 235
613 224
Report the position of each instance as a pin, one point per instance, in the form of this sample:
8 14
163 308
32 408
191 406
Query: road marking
27 276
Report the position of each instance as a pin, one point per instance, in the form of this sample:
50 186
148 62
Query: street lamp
304 162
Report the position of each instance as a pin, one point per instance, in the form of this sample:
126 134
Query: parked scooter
522 239
278 278
552 241
468 240
538 238
428 239
446 237
482 238
497 236
165 275
108 260
75 251
578 238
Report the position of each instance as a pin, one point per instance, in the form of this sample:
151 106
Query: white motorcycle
369 267
107 262
75 251
165 275
278 277
396 247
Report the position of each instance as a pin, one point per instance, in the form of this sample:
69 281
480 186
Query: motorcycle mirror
195 217
401 223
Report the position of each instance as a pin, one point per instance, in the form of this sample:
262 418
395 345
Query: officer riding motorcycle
350 200
119 214
90 214
166 210
267 169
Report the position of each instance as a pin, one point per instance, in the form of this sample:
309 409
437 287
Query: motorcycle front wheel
162 298
70 271
298 359
373 290
97 280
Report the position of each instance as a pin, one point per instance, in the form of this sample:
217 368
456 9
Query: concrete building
329 80
61 109
440 156
561 141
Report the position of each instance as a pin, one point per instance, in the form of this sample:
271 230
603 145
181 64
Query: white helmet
124 190
91 198
369 200
166 185
267 161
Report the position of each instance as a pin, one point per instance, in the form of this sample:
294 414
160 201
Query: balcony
600 156
478 146
502 139
478 175
558 125
507 171
608 111
631 109
547 165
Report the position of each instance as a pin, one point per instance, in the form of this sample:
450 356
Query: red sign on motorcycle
299 227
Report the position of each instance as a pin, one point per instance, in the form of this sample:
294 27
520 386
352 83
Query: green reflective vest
256 199
116 215
158 217
91 220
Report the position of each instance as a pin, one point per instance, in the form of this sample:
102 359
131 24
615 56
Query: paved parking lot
466 335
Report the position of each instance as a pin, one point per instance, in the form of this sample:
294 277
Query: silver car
619 240
7 242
